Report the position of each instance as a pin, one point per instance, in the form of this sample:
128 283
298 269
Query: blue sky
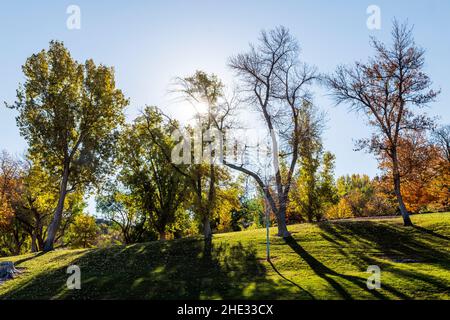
151 42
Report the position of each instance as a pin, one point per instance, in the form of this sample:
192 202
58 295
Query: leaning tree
68 113
389 89
275 83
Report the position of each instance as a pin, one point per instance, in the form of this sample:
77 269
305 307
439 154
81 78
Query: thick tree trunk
54 226
56 221
207 228
396 176
281 222
7 270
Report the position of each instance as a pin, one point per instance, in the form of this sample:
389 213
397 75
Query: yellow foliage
339 211
83 231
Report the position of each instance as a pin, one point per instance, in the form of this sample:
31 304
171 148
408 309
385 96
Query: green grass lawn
327 260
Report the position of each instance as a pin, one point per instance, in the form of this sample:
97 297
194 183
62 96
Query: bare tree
388 89
274 81
441 137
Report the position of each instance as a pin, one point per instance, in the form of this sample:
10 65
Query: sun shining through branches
204 154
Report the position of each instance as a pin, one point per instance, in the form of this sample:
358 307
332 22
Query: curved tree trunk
405 215
54 225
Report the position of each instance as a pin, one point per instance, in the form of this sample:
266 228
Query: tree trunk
281 222
40 242
162 236
54 226
396 176
38 232
33 242
208 237
207 227
7 270
56 221
17 249
405 215
18 244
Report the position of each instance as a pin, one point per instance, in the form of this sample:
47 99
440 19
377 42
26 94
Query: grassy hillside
323 261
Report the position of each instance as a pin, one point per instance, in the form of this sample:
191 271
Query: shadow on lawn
328 274
180 269
390 243
431 232
170 270
31 257
395 243
292 282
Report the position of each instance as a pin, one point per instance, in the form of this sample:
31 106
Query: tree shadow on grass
328 274
31 257
171 270
391 244
432 233
292 282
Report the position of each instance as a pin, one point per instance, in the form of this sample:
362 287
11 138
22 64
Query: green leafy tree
158 190
327 185
313 184
38 196
228 214
205 175
360 196
68 113
82 232
250 213
120 207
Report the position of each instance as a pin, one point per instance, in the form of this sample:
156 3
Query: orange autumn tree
390 89
421 171
12 236
439 187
